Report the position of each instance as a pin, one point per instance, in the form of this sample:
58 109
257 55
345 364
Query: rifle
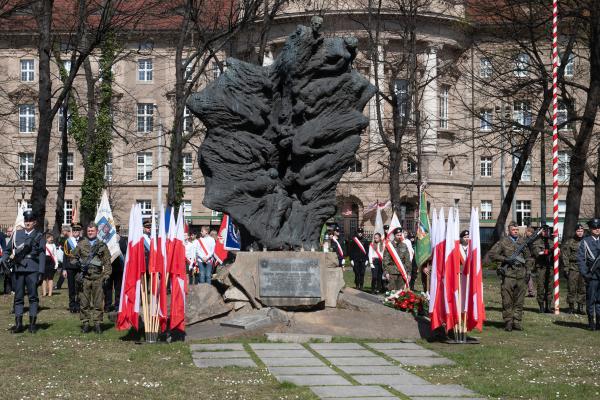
515 256
86 265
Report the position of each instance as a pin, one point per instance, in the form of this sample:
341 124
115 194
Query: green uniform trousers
576 286
92 299
513 292
545 286
396 282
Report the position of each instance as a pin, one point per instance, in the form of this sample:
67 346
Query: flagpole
556 251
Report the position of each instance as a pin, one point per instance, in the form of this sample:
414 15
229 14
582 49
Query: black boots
571 309
541 307
85 328
32 324
591 324
98 328
18 328
580 309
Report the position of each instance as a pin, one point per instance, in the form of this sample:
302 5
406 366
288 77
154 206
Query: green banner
423 250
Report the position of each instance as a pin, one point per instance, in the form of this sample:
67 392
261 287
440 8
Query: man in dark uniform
337 245
93 257
575 282
28 254
357 251
541 251
514 270
66 230
147 237
589 267
386 231
70 269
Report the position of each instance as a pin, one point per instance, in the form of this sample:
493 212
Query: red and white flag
162 267
451 282
177 273
473 298
220 252
135 266
394 223
437 312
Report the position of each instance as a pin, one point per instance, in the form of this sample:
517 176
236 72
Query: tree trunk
543 193
62 179
43 15
394 168
597 187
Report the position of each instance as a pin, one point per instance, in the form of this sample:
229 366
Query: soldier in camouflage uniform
575 282
542 253
96 271
514 272
389 266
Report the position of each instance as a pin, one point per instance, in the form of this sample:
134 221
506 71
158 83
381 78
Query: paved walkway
348 371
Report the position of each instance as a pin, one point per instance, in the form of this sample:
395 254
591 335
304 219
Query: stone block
292 362
279 353
204 302
313 380
296 337
345 353
302 371
221 354
281 346
250 321
423 361
364 361
344 392
235 294
217 346
399 379
223 362
433 390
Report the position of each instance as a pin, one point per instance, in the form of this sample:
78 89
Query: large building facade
465 161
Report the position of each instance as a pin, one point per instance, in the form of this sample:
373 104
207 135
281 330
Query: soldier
337 245
27 252
514 272
575 282
541 251
93 257
390 268
147 239
70 268
588 258
357 251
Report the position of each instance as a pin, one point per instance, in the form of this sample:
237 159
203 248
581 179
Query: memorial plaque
289 277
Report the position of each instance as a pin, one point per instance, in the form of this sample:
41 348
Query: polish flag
451 283
135 266
220 252
437 312
162 266
473 299
178 275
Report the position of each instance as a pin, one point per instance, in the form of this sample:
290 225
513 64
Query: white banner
106 227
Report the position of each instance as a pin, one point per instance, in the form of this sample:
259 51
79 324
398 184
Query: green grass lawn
60 362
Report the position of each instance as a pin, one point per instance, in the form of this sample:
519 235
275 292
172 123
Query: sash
377 253
397 261
147 243
72 243
360 245
49 253
203 248
339 248
463 254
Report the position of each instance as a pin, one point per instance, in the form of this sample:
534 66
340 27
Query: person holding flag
337 244
357 251
423 248
395 260
376 263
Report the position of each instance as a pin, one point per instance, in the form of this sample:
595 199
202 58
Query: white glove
352 263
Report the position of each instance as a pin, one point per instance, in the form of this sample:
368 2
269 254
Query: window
69 166
27 70
144 166
411 166
187 208
444 107
146 206
523 209
486 166
562 209
187 166
68 212
145 117
216 70
26 166
485 120
27 118
61 119
526 175
356 166
563 117
147 45
486 209
108 168
187 120
521 114
570 66
564 169
145 70
485 68
215 217
403 99
521 65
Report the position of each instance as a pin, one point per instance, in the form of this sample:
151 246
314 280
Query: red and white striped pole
555 149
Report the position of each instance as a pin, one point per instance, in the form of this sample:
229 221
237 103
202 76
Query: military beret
386 227
464 233
579 226
397 231
594 223
147 224
76 226
360 230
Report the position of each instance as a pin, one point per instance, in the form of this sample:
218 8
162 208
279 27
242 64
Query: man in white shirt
205 250
190 257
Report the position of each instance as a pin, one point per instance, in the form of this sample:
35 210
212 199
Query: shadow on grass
572 324
499 309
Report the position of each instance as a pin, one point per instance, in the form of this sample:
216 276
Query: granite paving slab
344 392
394 346
336 346
346 353
366 361
278 353
372 398
296 337
293 362
302 371
278 346
410 353
217 346
423 361
448 398
313 380
433 390
223 362
373 370
402 379
221 354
